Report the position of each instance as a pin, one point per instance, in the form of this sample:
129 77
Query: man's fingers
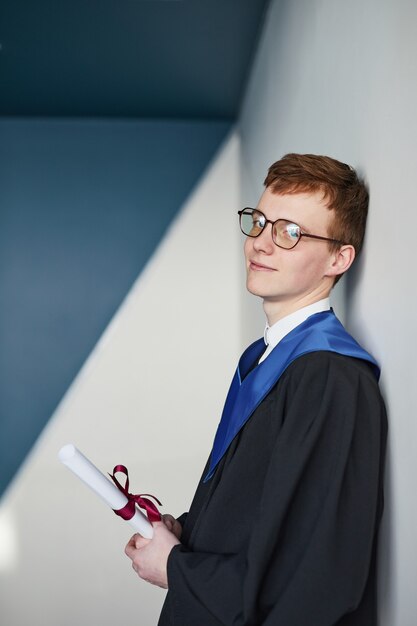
133 539
135 542
141 542
130 549
172 524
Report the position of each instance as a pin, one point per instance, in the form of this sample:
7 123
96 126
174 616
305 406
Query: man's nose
263 242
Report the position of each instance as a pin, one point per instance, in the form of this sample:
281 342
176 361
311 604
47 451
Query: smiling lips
258 267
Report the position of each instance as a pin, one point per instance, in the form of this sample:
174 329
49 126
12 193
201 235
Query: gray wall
339 78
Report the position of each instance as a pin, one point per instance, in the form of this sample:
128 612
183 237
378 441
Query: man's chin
253 290
256 288
261 293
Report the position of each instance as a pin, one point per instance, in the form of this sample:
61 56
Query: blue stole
320 331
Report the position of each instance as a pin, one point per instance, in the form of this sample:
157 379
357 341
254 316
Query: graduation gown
285 531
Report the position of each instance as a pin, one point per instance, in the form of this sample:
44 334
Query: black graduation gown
285 531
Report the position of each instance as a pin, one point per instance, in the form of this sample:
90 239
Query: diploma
70 456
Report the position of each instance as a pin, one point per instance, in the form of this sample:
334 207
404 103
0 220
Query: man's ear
341 260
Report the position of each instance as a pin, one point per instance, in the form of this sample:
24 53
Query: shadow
386 542
386 551
352 281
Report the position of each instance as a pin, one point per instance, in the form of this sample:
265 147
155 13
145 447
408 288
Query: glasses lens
252 222
286 234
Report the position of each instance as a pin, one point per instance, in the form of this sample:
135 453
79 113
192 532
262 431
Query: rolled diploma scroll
70 456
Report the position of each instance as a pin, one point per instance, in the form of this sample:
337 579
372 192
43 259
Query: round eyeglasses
285 234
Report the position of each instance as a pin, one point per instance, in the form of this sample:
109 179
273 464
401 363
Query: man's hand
149 556
172 524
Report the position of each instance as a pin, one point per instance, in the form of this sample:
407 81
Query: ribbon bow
128 511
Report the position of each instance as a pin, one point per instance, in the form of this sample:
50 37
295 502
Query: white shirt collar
273 334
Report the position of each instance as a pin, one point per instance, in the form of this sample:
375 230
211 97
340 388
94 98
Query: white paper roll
70 456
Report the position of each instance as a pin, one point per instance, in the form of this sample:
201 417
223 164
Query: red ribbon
128 511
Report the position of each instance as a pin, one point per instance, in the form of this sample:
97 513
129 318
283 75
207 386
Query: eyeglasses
285 234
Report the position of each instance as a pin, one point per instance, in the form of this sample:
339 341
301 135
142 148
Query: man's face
297 277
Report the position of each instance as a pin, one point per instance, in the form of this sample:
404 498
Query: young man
283 527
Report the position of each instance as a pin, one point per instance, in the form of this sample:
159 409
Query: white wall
150 396
339 78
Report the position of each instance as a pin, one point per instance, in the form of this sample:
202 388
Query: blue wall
82 207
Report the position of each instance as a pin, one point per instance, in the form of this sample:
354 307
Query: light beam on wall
8 541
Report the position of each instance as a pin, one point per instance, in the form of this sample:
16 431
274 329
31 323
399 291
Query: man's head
344 193
304 232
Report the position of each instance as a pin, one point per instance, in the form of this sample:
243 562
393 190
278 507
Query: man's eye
259 221
293 231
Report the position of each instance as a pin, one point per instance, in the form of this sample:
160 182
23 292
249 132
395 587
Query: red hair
345 192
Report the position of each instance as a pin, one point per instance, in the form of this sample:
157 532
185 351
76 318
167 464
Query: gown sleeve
181 519
310 554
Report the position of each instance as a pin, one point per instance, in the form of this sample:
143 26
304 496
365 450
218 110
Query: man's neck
275 311
275 333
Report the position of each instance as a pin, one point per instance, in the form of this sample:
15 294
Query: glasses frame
242 212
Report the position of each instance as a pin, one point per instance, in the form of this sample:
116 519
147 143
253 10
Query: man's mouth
259 267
